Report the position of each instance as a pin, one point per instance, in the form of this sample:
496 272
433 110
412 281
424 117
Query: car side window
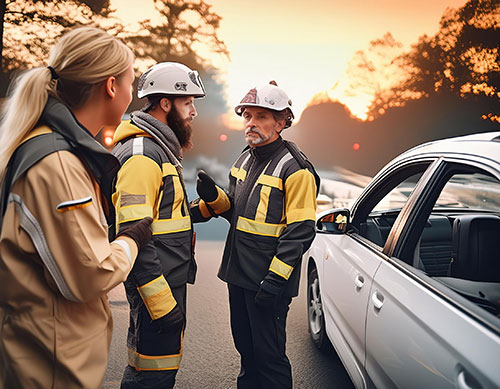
460 242
381 217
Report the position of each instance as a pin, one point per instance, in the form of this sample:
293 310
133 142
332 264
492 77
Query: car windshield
475 191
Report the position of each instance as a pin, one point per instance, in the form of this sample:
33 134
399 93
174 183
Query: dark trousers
150 379
260 338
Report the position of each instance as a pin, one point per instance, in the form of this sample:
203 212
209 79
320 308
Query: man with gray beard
270 205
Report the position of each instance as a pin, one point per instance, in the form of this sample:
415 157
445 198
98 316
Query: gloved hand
140 232
205 186
172 321
265 300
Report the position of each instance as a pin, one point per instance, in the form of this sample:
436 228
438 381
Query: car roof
485 145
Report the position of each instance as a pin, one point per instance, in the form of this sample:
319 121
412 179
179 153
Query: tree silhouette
462 59
29 27
186 28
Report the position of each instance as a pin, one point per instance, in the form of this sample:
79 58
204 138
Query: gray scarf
161 133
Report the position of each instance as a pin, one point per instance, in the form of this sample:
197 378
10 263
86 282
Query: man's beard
180 127
256 141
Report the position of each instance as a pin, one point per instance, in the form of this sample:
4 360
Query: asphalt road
210 359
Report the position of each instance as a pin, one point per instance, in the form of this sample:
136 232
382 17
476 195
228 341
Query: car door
348 268
419 332
351 260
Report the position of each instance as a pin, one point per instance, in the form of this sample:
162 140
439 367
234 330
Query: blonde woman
56 262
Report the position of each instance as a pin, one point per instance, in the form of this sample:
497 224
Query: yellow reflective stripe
178 197
154 362
259 228
167 226
168 169
275 182
221 204
157 297
280 268
239 174
134 212
261 213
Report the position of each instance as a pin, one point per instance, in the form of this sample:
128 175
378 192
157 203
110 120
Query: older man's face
260 126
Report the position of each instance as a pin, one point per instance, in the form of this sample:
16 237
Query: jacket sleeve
58 205
138 186
300 211
203 211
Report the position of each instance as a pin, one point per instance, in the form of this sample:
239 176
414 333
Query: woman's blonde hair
83 57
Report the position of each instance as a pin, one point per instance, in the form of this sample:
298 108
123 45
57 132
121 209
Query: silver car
406 283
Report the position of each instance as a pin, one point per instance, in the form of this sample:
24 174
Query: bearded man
150 184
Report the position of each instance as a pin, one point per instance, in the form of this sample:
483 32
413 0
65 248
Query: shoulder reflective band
280 268
138 146
239 174
259 228
29 223
157 297
134 212
154 362
167 226
74 204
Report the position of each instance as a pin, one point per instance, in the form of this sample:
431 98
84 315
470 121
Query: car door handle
462 382
377 300
359 281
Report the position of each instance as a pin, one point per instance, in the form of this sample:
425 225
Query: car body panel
418 340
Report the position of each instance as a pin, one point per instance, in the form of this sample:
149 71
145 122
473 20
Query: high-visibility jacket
272 192
150 184
56 262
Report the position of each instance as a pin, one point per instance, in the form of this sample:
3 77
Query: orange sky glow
305 46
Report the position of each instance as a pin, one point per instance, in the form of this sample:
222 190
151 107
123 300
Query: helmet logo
250 97
142 81
192 77
269 101
181 86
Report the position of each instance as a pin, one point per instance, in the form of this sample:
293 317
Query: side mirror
334 221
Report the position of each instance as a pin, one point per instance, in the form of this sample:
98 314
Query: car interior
459 245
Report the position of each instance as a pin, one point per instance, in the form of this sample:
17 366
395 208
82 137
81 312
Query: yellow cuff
221 204
157 297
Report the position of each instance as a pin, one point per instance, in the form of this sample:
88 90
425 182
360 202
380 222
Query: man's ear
165 104
281 125
110 87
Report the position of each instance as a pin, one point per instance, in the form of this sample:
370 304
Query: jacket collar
102 163
267 151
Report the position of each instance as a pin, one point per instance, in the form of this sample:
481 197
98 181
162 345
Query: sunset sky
304 45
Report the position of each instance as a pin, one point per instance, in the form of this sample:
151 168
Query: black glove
265 300
172 321
140 232
205 186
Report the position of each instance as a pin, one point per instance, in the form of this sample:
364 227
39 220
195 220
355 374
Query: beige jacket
56 266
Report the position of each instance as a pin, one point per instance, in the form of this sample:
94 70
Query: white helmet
170 78
269 96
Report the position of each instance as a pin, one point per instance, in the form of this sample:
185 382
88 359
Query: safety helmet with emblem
269 96
170 78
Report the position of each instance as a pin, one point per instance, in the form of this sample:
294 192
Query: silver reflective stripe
245 161
124 245
277 170
138 146
34 230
